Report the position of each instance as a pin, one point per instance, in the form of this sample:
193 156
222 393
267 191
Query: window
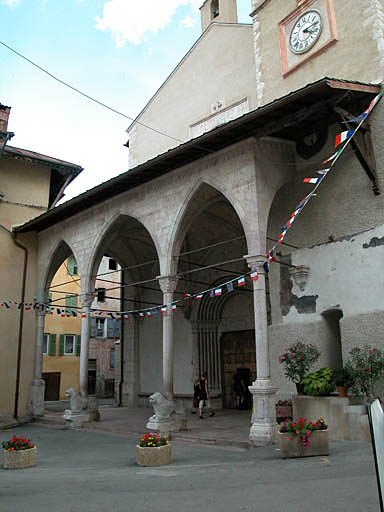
112 264
71 304
45 343
100 294
72 266
112 358
100 327
215 8
69 344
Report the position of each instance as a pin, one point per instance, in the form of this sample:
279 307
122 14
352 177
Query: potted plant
19 453
342 380
283 410
366 369
302 438
298 359
153 450
319 383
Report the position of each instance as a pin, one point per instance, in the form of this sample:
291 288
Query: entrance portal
238 354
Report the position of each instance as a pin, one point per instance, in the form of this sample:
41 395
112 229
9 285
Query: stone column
38 384
86 301
263 429
168 286
172 417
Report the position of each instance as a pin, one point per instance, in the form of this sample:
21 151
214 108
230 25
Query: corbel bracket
362 146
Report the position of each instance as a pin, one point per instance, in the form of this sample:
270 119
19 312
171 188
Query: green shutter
71 303
78 345
72 266
52 344
61 344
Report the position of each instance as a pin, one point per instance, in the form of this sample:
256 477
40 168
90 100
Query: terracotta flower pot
342 391
19 459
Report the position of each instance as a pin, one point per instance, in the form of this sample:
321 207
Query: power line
100 103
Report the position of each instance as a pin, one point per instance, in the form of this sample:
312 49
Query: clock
305 32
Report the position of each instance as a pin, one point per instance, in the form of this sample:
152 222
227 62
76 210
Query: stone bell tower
218 11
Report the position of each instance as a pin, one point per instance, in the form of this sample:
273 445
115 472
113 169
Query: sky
117 51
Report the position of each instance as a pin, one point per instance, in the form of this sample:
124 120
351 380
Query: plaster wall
224 50
14 210
357 55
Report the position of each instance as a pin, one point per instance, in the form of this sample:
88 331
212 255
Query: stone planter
19 459
153 456
291 446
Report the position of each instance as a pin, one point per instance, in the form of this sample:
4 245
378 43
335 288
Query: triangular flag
241 281
312 180
230 287
4 305
266 266
174 306
199 296
141 314
83 315
323 172
186 295
254 275
343 136
163 310
217 292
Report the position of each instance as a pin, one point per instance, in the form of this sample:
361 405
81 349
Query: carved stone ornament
300 276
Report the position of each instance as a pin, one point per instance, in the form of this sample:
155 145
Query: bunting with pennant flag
343 136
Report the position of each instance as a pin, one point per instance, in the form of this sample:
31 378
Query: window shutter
78 345
52 345
61 344
92 327
110 327
72 266
71 303
117 329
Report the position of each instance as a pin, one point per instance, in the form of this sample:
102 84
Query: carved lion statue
78 403
162 406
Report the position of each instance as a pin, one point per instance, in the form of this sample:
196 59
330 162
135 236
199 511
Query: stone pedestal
264 428
163 426
76 419
37 397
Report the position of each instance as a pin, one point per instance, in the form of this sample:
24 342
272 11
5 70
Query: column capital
256 262
168 283
86 299
41 312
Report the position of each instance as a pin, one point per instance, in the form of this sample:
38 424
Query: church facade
253 110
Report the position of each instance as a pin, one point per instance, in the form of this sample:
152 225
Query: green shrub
319 383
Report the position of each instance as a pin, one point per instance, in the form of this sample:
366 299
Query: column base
264 427
37 397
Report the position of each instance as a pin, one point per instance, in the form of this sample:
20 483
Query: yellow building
30 185
61 349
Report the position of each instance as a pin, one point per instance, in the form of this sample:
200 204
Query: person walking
204 396
196 395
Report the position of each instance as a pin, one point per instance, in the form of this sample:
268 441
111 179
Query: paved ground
95 471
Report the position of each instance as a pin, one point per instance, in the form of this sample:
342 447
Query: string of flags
228 287
343 137
216 291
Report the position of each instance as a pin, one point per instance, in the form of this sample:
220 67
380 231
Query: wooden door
52 386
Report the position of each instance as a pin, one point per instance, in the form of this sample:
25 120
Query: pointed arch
190 209
127 239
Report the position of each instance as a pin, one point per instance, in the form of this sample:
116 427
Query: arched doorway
211 260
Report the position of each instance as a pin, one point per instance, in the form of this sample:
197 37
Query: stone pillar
168 286
86 301
263 429
171 416
38 384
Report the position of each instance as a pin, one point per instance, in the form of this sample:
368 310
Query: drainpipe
21 318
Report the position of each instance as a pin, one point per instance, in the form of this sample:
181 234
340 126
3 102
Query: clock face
305 32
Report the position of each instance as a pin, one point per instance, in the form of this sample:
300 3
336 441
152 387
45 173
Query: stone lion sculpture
162 406
78 403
